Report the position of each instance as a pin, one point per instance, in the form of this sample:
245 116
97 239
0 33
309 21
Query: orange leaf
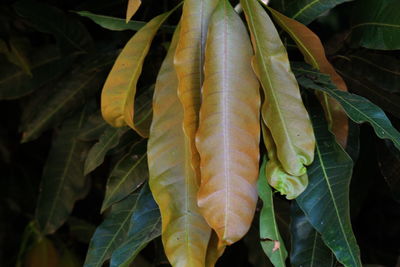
185 233
228 135
133 6
313 51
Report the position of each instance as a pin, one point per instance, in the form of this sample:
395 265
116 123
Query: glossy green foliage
357 108
376 24
326 199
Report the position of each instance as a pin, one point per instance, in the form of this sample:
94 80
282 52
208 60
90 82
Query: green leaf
80 229
356 107
306 11
63 181
270 238
71 92
145 225
326 199
46 65
283 111
128 174
376 24
70 33
117 24
111 233
308 249
94 127
108 140
18 53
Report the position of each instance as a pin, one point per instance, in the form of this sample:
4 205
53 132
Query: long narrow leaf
357 107
133 6
283 111
185 233
311 47
145 225
229 131
270 238
118 95
326 199
63 181
308 249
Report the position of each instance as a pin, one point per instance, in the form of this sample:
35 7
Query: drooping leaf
128 174
325 201
306 11
133 6
71 35
71 93
63 181
229 131
94 127
282 111
270 238
46 65
189 63
111 233
118 95
117 24
17 53
108 140
308 249
289 185
145 225
185 233
313 51
80 229
214 250
357 107
376 24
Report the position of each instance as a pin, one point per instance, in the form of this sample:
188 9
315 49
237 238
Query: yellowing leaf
118 95
185 233
214 251
189 61
289 185
283 111
42 254
228 135
133 6
312 49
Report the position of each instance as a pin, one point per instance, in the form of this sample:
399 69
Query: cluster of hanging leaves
209 150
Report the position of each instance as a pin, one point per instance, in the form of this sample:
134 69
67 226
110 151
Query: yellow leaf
228 135
185 233
133 6
312 49
214 251
189 62
289 185
283 111
118 95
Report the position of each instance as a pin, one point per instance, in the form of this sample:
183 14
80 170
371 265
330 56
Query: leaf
80 229
108 140
357 107
229 128
128 174
307 11
290 185
71 92
17 54
133 6
313 51
63 181
118 95
189 63
325 202
46 65
308 249
214 250
43 253
270 238
111 233
117 24
376 24
282 111
185 233
70 34
94 127
145 225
